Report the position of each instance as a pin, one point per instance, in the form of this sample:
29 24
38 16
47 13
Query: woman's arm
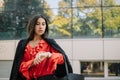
25 66
56 56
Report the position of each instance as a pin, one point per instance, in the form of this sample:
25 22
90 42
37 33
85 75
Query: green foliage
61 23
83 19
112 21
15 16
91 24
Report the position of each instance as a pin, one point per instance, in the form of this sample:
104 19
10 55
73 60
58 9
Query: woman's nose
40 26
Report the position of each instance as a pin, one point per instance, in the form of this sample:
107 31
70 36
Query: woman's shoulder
22 42
48 38
23 39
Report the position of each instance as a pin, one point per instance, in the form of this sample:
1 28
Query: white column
105 69
76 66
101 66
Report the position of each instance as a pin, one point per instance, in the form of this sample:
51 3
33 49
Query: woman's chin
40 34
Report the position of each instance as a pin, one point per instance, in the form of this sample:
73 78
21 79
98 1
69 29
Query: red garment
46 67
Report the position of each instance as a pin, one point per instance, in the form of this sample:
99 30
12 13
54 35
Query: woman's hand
41 56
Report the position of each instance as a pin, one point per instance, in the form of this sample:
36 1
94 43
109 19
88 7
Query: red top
46 67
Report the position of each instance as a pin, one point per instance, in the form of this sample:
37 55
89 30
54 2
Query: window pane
114 69
111 2
57 3
92 69
85 3
9 5
2 3
60 22
87 22
111 22
13 21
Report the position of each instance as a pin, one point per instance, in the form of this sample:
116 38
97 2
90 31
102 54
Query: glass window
111 16
68 18
2 5
60 22
13 20
87 23
92 69
86 3
9 5
114 69
111 2
57 3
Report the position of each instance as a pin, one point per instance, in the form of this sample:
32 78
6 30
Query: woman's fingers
37 60
40 57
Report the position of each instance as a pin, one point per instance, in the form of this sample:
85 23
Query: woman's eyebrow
43 22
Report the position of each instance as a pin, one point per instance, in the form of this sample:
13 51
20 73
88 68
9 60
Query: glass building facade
67 18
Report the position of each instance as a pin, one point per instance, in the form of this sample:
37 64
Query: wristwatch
49 55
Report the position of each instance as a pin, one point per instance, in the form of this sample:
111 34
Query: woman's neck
36 38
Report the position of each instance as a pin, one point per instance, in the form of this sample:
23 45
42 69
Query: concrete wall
76 49
91 49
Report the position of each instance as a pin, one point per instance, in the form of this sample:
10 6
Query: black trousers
48 77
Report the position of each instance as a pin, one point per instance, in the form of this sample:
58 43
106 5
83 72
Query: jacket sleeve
61 70
57 56
14 75
15 62
60 50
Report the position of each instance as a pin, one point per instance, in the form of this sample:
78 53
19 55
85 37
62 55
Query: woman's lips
40 31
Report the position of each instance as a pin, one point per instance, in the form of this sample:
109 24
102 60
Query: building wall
106 50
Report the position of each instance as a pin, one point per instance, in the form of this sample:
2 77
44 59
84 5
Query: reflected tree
87 20
61 23
15 16
77 18
111 19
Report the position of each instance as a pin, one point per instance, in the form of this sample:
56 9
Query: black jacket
60 71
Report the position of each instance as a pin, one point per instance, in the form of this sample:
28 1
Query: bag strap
66 67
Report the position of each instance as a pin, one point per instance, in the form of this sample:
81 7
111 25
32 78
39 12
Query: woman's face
40 27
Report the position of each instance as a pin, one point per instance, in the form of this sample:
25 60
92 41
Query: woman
38 57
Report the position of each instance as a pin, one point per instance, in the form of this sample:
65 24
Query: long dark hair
31 27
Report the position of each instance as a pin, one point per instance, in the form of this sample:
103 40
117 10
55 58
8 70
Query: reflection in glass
60 22
84 3
68 18
57 3
87 22
1 5
14 17
111 2
9 5
114 69
92 69
111 16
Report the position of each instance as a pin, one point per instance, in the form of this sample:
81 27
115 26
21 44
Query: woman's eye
43 24
37 23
